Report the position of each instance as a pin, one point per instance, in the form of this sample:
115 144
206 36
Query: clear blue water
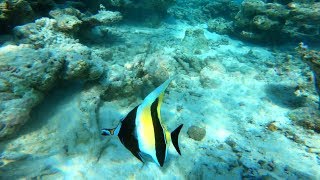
244 86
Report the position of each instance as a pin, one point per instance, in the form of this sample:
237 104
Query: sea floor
238 92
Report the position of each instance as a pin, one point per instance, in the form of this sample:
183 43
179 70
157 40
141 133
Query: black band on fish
158 133
127 134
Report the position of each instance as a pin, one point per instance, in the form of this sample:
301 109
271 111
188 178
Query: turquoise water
244 86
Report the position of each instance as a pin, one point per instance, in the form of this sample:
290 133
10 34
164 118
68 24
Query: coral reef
220 26
67 136
71 19
36 67
312 58
9 11
255 20
18 12
262 22
236 98
190 11
66 13
222 8
308 118
68 19
195 11
142 5
194 40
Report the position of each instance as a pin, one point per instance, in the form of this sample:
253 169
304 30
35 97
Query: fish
142 131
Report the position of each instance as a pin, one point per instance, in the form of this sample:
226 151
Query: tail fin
175 136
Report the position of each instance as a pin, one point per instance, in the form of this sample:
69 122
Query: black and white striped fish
142 131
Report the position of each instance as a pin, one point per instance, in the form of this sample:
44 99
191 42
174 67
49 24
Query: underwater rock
248 35
188 62
140 7
196 133
77 69
195 11
139 76
312 58
191 12
13 13
103 18
264 23
220 26
308 118
45 33
159 67
72 129
221 8
272 127
19 12
194 40
66 11
277 21
67 19
71 20
29 70
259 21
307 13
42 33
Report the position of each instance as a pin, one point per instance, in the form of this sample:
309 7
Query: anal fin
138 155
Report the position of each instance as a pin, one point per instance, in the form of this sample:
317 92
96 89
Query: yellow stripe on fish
145 128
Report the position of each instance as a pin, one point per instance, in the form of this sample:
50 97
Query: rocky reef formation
312 58
138 8
309 117
46 57
255 20
85 27
29 10
17 12
263 22
232 97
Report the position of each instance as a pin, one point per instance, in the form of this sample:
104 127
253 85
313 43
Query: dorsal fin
175 136
159 91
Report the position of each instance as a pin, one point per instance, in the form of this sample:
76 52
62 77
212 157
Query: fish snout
107 132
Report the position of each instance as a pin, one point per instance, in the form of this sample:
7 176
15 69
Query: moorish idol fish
142 131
